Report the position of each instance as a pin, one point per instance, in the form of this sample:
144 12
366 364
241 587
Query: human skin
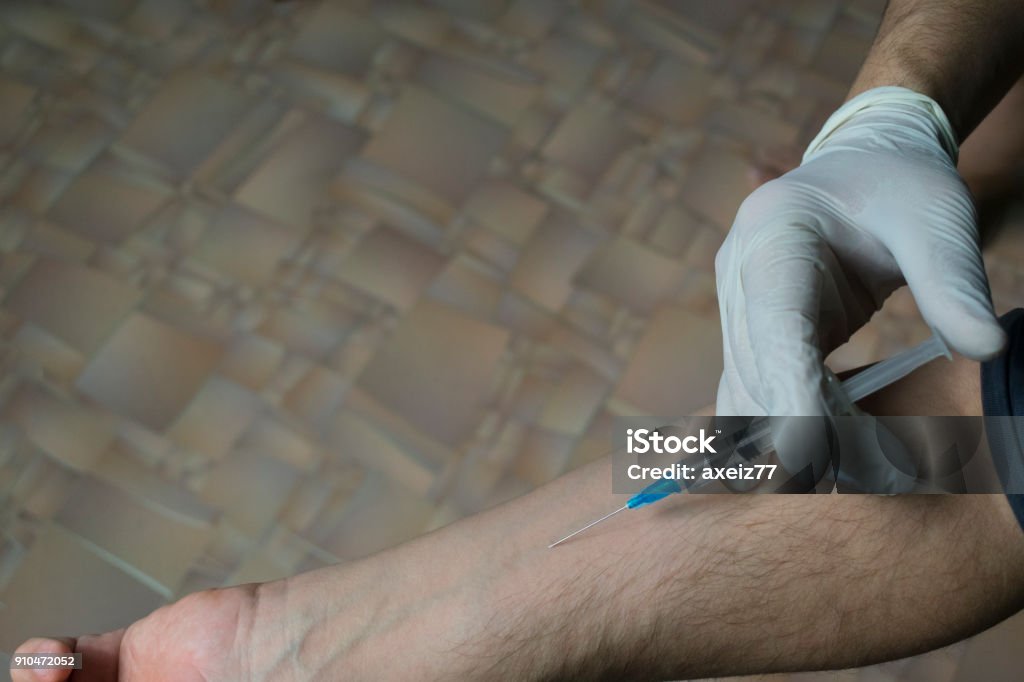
692 587
964 54
876 204
991 158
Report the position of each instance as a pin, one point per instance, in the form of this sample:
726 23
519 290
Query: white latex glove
812 255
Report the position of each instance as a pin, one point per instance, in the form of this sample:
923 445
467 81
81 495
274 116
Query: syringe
855 388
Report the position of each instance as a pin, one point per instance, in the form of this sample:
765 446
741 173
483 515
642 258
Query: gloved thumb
948 281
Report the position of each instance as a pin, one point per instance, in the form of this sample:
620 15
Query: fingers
44 645
947 278
100 655
783 283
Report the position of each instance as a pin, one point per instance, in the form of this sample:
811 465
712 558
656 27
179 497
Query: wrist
915 119
434 608
873 79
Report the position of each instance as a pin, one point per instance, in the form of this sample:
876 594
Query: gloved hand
812 255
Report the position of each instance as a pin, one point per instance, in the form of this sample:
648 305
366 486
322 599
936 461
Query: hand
204 636
812 255
420 611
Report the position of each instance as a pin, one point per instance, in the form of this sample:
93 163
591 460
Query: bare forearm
726 586
965 54
692 587
708 585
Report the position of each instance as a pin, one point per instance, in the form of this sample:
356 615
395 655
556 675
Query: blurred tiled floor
264 267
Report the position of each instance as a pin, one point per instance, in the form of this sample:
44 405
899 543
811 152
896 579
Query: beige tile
272 436
588 139
436 144
337 38
674 231
260 567
71 144
184 121
575 399
354 440
157 18
310 497
507 209
140 474
633 274
311 328
49 487
717 183
390 266
60 362
241 150
469 286
720 17
590 350
491 248
74 434
380 514
53 241
109 201
501 95
148 371
753 124
670 33
316 396
215 418
567 63
530 18
521 314
341 97
101 597
251 488
434 384
291 183
77 304
702 249
841 55
531 395
266 243
251 360
675 368
474 10
676 90
420 26
549 262
17 97
126 526
543 457
104 9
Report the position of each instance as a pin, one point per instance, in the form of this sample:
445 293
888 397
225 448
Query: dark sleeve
1002 394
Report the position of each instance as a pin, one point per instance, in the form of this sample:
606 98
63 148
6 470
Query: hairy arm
693 587
964 54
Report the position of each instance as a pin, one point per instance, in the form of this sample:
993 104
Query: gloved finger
948 281
734 398
782 281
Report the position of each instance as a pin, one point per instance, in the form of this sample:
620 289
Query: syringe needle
589 525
